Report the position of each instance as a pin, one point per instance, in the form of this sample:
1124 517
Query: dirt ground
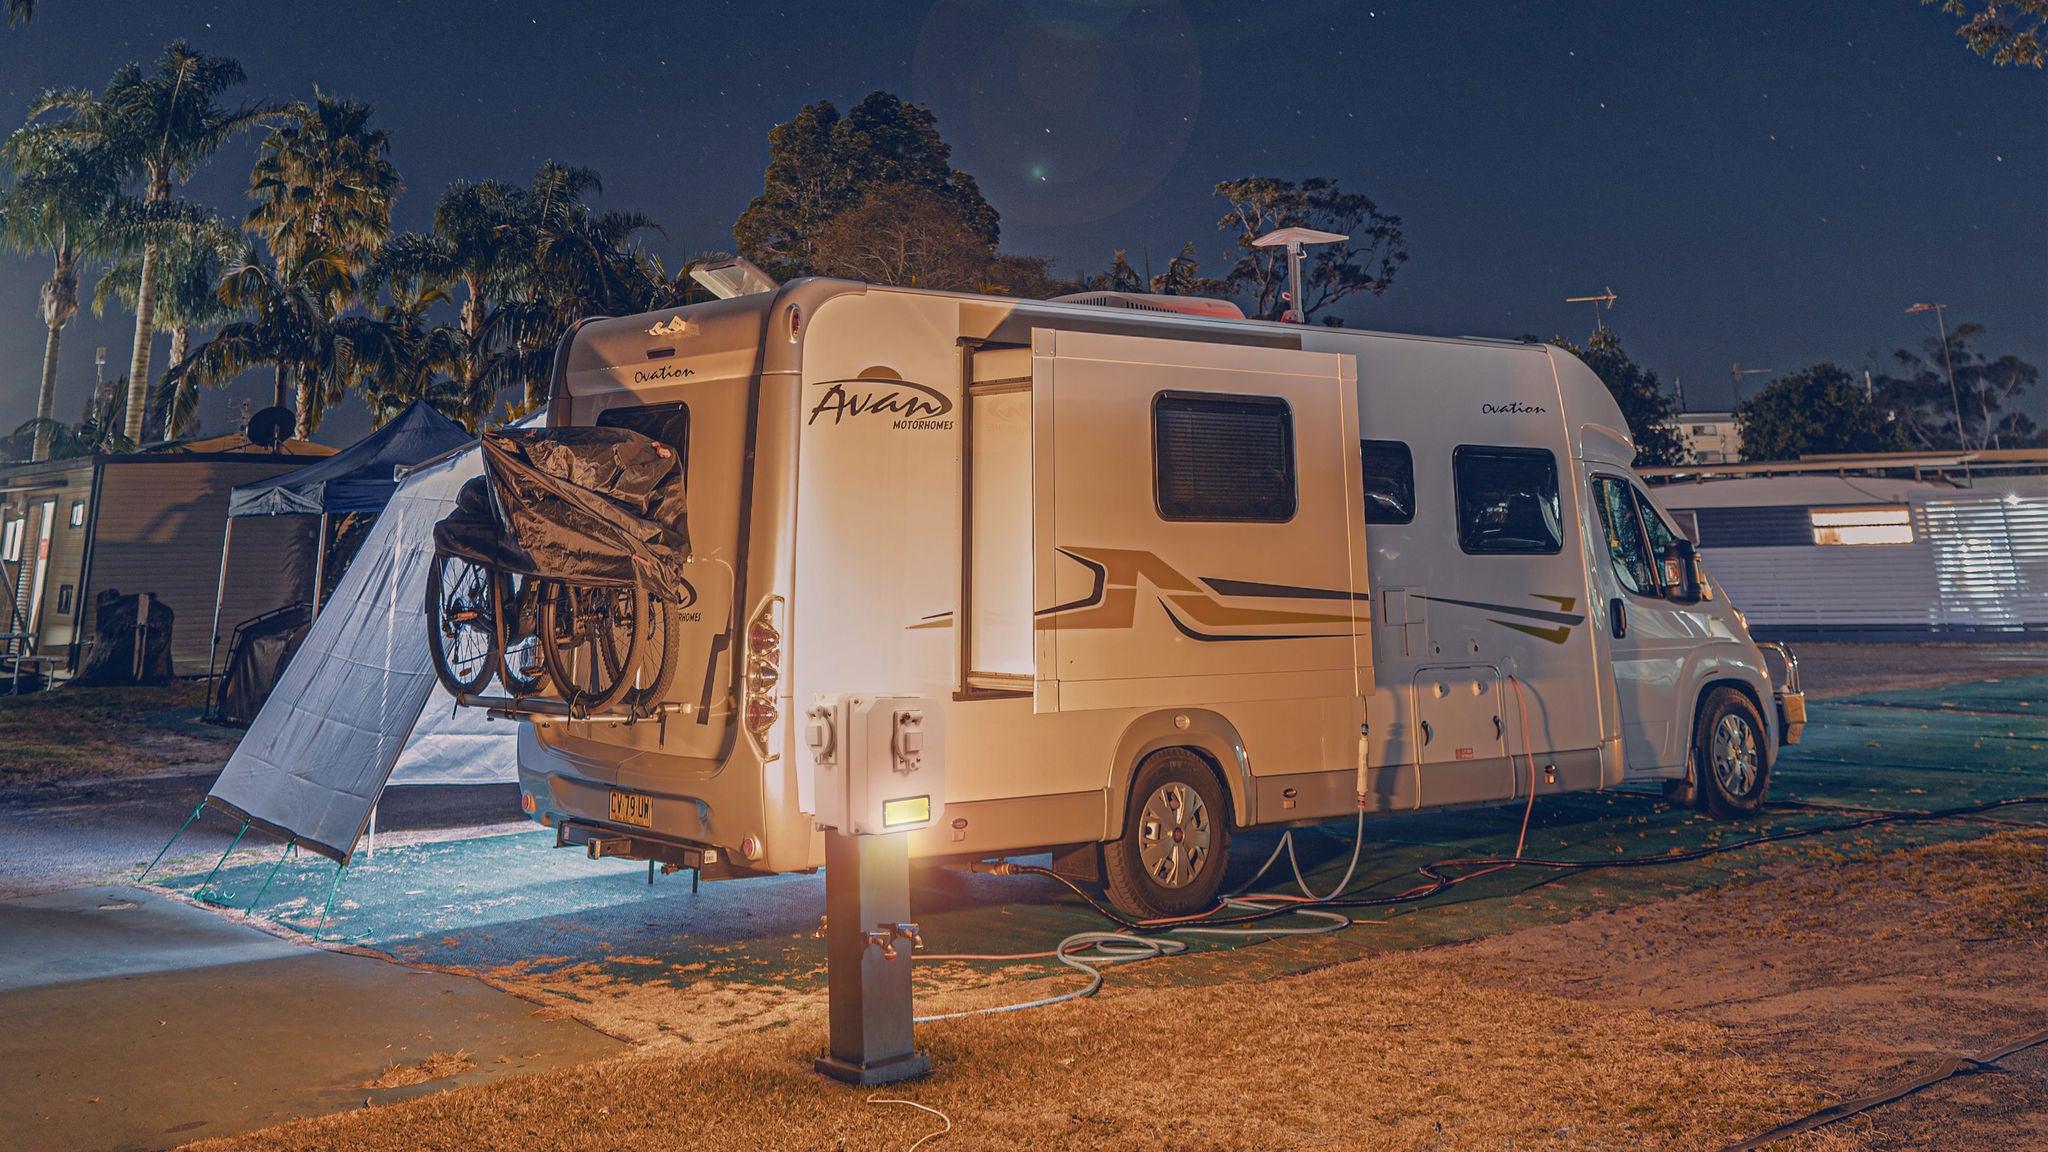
1690 1023
79 735
1834 670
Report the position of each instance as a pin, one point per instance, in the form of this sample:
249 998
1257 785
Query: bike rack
538 708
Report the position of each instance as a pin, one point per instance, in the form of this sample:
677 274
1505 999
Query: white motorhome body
1344 570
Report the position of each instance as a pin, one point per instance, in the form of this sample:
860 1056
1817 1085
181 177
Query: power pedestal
880 769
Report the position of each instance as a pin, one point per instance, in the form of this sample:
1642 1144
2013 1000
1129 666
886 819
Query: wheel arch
1207 734
1749 692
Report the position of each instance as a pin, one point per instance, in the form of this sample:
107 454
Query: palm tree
291 328
324 178
99 431
157 129
396 358
64 203
522 265
20 12
193 262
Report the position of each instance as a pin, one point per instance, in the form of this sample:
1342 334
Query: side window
1222 458
1389 471
1662 540
1507 500
1624 538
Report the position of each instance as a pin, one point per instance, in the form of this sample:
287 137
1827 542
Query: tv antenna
1606 297
1293 239
1736 372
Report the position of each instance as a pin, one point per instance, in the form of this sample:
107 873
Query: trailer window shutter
1507 500
1223 458
1389 471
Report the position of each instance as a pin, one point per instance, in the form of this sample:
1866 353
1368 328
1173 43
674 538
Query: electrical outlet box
880 761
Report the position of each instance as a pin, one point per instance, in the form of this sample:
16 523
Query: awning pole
220 592
319 568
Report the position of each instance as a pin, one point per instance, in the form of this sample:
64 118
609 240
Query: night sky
1760 182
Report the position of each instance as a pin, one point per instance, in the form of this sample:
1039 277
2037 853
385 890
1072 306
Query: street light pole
1955 397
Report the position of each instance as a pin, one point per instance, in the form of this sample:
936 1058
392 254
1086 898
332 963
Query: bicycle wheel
590 641
656 668
522 667
461 637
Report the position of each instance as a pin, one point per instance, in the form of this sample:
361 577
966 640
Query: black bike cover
579 505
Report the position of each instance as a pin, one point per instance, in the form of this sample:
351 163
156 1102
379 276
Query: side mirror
1681 572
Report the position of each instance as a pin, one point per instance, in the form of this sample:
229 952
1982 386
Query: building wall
1708 437
158 528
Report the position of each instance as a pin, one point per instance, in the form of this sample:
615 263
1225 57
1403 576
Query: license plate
630 809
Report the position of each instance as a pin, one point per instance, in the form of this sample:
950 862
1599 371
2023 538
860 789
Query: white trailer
1167 575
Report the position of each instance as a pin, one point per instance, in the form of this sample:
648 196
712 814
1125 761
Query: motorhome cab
1168 574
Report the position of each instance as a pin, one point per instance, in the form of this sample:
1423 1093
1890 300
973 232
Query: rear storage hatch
684 378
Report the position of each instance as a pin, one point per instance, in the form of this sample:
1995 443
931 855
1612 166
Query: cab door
1649 635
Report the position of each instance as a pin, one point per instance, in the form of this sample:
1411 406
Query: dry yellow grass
438 1066
1395 1052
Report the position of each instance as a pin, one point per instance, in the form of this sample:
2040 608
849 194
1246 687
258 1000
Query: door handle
1617 617
1427 733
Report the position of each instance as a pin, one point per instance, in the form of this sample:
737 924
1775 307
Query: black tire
1176 841
522 666
591 642
660 640
461 638
1731 755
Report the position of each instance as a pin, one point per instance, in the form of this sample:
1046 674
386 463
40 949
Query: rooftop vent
1148 302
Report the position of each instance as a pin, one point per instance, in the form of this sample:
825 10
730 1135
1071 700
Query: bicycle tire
454 613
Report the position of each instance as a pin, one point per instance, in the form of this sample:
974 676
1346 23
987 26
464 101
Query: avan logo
1514 409
882 392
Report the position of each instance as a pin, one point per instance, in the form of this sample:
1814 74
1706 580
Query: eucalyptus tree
324 178
193 259
63 202
156 129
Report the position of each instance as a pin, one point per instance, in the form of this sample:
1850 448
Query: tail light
762 672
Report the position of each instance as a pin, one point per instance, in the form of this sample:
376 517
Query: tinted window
1507 500
1624 537
1663 543
1389 471
662 423
1222 457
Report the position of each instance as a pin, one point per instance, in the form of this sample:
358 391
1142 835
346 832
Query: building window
78 513
1222 458
1892 525
10 540
64 600
1507 500
1389 471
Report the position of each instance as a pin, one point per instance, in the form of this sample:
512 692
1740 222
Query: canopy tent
359 707
358 479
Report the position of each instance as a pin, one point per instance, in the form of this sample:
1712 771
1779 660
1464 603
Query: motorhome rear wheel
1731 755
1176 839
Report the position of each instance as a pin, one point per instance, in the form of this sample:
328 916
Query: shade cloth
348 708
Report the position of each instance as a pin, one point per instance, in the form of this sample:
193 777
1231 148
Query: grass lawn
75 734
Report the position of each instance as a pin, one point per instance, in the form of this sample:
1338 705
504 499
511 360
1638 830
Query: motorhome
1168 574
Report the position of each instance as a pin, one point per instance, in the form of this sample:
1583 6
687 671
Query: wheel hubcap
1735 757
1174 835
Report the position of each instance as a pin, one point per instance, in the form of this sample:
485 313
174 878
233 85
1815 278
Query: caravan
1159 575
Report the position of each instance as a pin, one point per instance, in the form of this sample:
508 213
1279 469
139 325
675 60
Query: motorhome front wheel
1176 839
1731 755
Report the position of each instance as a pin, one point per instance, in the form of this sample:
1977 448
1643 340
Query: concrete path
132 1021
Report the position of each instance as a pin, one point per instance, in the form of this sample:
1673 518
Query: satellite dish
271 427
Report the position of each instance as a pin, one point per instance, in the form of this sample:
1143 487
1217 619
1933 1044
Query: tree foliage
1919 394
2008 31
822 165
1367 262
1640 394
324 178
1817 410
